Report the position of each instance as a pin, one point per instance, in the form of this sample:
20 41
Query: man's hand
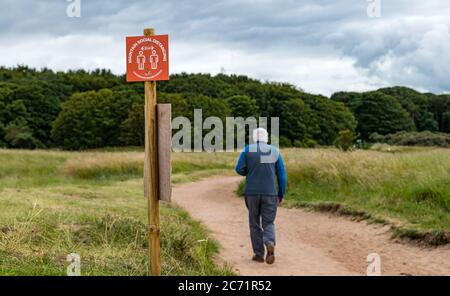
280 201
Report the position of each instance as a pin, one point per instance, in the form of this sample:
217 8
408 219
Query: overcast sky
320 46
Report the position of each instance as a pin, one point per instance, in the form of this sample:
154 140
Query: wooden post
164 118
151 173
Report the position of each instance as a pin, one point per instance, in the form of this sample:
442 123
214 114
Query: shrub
285 142
19 135
345 140
298 143
425 138
310 143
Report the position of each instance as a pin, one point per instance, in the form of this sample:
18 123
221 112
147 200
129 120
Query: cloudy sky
321 46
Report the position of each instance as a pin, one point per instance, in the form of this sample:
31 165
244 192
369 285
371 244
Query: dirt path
308 243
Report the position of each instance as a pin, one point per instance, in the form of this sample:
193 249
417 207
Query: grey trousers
262 210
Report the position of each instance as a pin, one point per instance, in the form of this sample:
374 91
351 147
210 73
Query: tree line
81 110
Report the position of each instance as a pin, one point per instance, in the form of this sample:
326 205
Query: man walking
264 170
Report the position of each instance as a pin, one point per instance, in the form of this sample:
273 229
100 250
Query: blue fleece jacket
264 170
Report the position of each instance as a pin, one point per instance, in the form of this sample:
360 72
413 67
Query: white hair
261 135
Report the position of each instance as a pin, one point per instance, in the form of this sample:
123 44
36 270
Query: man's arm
241 166
282 178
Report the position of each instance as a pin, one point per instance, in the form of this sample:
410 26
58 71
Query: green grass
91 203
408 189
55 203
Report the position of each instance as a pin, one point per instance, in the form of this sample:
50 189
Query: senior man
265 186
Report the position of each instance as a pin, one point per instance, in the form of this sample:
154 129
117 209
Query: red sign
148 58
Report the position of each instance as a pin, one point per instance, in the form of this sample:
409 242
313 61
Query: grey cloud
407 45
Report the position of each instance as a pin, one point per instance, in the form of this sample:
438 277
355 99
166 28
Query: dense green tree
82 80
209 107
2 135
121 103
19 135
243 106
14 110
427 122
179 104
416 104
42 107
85 121
294 116
328 118
77 110
32 101
202 84
93 119
439 105
350 99
132 129
446 122
381 113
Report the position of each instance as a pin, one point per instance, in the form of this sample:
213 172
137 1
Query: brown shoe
258 258
270 257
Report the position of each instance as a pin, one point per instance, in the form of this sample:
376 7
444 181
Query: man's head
260 135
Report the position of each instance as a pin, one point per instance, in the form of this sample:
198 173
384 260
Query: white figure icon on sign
154 59
141 60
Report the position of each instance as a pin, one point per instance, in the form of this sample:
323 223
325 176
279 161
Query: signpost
148 61
148 57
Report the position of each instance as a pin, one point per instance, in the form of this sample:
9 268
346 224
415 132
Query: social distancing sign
147 58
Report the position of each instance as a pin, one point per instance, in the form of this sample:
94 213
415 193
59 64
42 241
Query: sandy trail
308 243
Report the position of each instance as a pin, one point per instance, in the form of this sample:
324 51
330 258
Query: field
407 188
91 203
56 203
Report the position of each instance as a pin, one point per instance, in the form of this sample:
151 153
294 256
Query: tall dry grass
369 168
410 188
107 164
97 165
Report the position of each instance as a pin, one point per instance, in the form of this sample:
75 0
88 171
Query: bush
310 143
298 144
19 135
285 142
345 140
425 138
